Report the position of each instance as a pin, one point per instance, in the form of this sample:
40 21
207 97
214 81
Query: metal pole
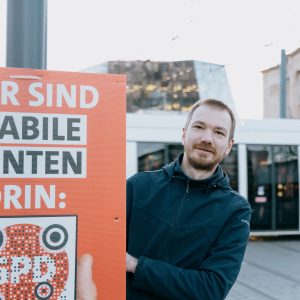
26 45
282 99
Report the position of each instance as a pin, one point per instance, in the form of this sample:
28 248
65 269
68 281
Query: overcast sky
245 36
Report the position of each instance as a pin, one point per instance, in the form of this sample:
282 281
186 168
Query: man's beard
203 163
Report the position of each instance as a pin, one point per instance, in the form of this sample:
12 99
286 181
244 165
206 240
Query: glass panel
151 156
169 86
286 185
260 185
174 151
230 166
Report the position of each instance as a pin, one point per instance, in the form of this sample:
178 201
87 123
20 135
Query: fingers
86 288
84 265
131 263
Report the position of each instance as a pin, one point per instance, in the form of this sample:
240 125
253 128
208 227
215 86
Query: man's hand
131 263
86 288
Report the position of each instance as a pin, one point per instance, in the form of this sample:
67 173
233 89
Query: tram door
273 187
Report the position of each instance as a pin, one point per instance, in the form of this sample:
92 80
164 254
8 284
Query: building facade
271 88
173 87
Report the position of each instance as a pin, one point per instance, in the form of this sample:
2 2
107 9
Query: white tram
263 165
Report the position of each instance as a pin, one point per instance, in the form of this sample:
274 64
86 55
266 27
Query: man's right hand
86 288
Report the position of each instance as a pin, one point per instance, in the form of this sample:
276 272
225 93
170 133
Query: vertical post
26 45
282 99
298 188
273 192
243 170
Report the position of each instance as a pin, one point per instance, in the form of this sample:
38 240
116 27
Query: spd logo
34 261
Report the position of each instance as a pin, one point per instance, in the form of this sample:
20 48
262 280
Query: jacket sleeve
129 197
215 276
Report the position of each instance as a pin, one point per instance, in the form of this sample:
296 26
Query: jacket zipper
187 190
187 197
177 217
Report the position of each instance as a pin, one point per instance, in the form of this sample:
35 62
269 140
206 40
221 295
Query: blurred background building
155 87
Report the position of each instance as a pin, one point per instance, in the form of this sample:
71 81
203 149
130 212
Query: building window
169 86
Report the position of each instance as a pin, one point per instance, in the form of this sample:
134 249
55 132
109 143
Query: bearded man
187 230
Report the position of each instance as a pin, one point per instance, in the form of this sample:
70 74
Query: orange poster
62 188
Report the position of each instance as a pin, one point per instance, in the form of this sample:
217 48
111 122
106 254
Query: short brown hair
216 104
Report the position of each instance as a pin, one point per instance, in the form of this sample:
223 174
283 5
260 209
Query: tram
263 165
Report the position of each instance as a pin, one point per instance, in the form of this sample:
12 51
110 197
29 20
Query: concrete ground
271 270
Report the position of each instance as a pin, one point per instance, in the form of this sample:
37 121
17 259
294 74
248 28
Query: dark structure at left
26 45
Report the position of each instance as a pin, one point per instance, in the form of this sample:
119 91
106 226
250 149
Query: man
187 230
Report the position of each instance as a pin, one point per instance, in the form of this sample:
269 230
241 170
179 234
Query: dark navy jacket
189 236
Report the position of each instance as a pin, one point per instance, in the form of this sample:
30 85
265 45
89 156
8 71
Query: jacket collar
218 179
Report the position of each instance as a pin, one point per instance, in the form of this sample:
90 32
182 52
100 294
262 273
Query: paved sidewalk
271 271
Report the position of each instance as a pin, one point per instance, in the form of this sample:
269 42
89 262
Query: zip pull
187 190
187 187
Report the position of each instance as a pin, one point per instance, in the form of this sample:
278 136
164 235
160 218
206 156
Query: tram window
230 166
174 151
260 185
151 156
286 187
273 190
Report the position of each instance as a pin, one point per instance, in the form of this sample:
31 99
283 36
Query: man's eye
221 133
198 126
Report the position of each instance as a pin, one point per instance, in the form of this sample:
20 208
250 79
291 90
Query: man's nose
207 136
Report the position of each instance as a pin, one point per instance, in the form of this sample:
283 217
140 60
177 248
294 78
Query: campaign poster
62 182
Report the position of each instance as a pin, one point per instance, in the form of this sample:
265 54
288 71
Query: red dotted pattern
24 240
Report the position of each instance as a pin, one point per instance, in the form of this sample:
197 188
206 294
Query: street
271 270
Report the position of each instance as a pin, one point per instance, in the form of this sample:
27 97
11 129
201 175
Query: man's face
206 139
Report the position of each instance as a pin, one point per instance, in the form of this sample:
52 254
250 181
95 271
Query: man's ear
229 146
183 136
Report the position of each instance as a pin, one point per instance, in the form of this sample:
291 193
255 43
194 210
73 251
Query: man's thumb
84 267
86 289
